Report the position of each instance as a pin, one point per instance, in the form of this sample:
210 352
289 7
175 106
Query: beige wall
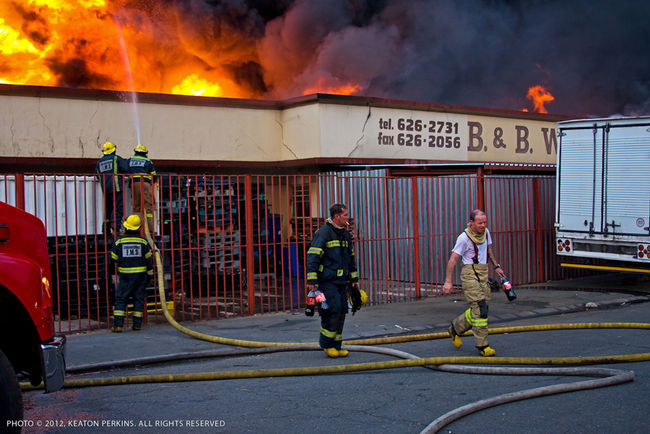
372 132
300 133
77 128
42 126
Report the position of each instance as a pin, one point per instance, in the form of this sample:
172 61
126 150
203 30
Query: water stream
129 74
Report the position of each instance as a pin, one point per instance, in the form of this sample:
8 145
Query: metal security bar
236 245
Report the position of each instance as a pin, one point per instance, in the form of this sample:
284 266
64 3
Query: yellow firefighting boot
118 322
343 353
455 339
486 351
331 352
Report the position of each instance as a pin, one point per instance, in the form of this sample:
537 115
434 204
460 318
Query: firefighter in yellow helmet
135 269
110 169
142 170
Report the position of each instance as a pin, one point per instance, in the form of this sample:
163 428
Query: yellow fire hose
407 360
373 341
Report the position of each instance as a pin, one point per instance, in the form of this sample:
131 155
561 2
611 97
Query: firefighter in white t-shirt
473 247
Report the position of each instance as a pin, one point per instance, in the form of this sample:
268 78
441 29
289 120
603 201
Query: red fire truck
28 347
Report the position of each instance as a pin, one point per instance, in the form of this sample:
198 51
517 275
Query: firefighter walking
474 247
142 170
332 269
135 268
109 169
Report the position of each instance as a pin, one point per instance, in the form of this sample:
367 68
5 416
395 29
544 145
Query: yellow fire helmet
364 296
108 148
141 148
132 222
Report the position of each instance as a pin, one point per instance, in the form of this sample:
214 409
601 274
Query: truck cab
28 345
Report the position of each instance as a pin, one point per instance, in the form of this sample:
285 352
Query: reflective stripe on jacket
331 257
132 254
141 167
109 166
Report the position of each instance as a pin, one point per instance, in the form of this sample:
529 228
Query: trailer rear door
604 177
627 179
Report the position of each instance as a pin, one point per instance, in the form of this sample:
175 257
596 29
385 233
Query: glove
355 298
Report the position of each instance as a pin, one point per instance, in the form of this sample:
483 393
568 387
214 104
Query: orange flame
194 85
99 44
539 96
322 87
132 46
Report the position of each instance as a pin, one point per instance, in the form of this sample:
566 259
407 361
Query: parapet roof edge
160 98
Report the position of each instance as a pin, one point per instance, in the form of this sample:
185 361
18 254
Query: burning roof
580 57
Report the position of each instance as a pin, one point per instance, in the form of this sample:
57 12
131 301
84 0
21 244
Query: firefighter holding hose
142 171
135 268
332 275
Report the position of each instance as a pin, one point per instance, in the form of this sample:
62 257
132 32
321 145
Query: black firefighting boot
137 324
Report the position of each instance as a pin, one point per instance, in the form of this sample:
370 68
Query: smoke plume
591 55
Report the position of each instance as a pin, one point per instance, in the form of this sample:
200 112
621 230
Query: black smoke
76 74
593 56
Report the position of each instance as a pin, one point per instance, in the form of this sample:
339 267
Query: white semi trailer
603 194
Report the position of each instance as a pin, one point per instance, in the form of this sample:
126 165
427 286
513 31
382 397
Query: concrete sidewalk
431 314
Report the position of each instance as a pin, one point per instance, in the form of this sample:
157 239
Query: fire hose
447 364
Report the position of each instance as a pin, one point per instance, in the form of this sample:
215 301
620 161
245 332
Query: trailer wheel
11 399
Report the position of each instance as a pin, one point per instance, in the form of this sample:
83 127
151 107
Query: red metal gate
235 245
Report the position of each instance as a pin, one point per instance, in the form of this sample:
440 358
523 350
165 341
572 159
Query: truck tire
11 399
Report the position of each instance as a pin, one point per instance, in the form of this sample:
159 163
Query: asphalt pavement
388 401
430 314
